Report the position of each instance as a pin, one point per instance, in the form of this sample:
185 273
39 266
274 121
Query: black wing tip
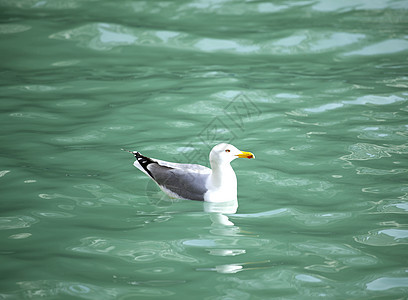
144 161
132 152
141 158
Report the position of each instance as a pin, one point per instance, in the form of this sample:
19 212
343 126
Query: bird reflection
218 210
222 226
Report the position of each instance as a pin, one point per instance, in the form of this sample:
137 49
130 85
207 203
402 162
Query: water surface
316 89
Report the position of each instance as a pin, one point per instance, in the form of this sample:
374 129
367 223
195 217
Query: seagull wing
177 180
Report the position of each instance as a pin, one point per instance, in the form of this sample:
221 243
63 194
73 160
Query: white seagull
196 182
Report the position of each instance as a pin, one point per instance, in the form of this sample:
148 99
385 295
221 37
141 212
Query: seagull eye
227 150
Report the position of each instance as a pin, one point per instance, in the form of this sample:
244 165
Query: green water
317 90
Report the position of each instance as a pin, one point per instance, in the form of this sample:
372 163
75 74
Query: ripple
384 237
16 222
365 151
319 219
228 269
66 63
269 213
311 41
149 283
307 278
13 28
107 36
226 244
34 115
53 214
85 137
230 8
30 181
396 207
352 5
311 185
58 289
287 96
35 4
324 108
226 252
54 289
211 45
327 249
359 261
334 256
156 270
391 189
118 128
131 251
199 107
145 292
38 88
20 236
387 283
399 82
372 171
238 267
72 103
4 172
363 100
101 36
395 133
376 100
384 47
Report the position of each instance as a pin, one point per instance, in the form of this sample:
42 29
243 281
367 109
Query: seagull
196 182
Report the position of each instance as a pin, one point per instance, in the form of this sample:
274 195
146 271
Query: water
316 89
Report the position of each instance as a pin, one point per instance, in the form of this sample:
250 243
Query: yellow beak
246 155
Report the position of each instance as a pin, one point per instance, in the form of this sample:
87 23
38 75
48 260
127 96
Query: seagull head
225 153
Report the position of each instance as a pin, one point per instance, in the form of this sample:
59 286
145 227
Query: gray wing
187 167
187 185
